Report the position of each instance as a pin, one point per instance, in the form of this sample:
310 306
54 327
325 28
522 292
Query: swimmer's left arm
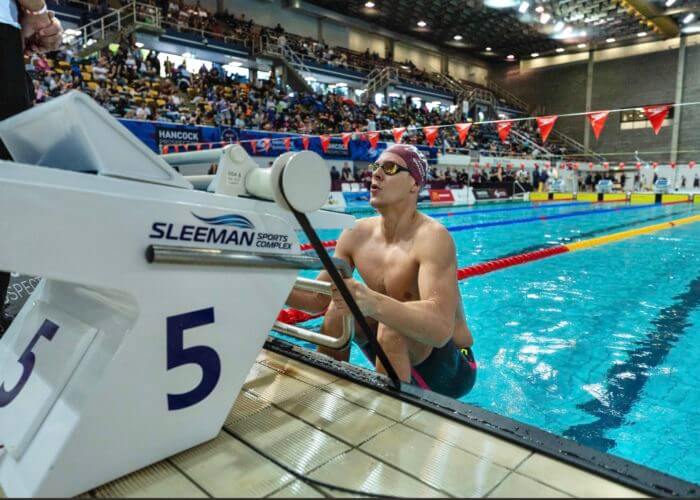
430 320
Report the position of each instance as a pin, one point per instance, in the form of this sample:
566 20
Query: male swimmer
410 296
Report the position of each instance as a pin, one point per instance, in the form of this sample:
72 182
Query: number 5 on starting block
36 365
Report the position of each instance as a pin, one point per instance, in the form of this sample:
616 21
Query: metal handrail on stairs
130 16
379 79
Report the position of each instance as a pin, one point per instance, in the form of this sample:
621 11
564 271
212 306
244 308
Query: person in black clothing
31 26
335 175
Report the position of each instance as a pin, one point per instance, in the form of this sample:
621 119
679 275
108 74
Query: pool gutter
622 471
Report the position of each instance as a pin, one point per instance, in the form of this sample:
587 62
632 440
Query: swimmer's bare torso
391 268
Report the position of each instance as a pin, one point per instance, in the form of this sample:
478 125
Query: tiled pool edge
622 471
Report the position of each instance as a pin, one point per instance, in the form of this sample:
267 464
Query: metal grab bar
322 287
167 254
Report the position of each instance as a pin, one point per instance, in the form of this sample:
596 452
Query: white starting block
116 362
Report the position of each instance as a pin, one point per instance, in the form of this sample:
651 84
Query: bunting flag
691 164
590 165
463 131
373 138
621 164
576 166
606 165
325 142
266 144
673 164
597 120
253 146
431 134
654 165
656 116
345 137
305 142
546 124
398 133
503 128
638 165
287 143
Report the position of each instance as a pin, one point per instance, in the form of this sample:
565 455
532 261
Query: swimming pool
593 345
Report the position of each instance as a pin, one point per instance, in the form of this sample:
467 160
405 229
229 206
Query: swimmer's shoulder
358 233
433 238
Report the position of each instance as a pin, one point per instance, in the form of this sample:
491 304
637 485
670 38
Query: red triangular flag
373 138
597 120
253 146
431 134
345 137
463 131
621 164
398 133
266 144
545 124
638 165
691 164
654 165
503 128
325 141
656 115
590 165
606 165
673 164
305 142
287 143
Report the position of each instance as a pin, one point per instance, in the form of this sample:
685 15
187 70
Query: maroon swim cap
413 158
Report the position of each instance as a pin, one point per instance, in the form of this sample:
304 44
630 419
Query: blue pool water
597 345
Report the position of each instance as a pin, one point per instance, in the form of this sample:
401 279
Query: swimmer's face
387 190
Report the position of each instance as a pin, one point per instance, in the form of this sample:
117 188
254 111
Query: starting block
115 361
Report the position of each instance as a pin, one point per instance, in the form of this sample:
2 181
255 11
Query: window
636 119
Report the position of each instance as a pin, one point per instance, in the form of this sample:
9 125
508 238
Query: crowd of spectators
128 83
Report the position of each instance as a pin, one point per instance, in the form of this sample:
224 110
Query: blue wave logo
227 220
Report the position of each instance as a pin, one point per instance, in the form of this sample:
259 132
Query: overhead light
523 7
535 54
670 2
688 18
500 4
691 28
139 45
642 33
369 5
560 50
545 17
610 40
581 45
510 57
488 49
567 31
457 37
559 26
422 24
583 33
539 9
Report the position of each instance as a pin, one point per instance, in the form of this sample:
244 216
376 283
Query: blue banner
157 135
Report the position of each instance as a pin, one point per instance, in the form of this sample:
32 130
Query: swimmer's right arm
317 302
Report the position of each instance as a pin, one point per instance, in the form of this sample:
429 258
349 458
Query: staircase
293 63
98 34
525 139
579 149
507 96
379 80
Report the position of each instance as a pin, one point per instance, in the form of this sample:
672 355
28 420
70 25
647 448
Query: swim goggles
389 167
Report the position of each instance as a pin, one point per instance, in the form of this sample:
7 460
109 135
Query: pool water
595 345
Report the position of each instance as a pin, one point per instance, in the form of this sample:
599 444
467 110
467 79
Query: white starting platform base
116 362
